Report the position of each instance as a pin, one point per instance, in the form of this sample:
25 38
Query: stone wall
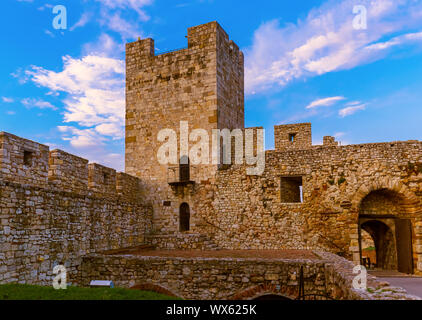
234 278
246 212
51 215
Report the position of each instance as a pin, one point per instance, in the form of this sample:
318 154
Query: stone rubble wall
57 209
184 241
234 278
246 212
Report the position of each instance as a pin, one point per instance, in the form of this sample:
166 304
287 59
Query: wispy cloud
114 15
37 103
7 99
137 5
351 108
325 102
83 20
325 41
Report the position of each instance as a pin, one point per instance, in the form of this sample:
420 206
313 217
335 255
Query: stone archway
385 215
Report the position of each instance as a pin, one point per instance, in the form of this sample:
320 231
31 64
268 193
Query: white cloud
126 29
338 135
116 15
94 99
37 103
7 99
94 86
81 138
49 33
83 20
325 41
325 102
45 6
136 5
351 109
105 46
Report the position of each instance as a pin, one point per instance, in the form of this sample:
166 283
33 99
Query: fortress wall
45 222
247 212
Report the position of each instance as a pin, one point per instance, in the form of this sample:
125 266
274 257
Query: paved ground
412 284
261 254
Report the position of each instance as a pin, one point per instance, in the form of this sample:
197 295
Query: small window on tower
27 158
292 137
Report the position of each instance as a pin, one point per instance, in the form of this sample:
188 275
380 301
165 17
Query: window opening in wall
27 158
184 217
292 137
291 189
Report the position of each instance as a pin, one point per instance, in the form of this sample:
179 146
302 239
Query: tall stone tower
202 84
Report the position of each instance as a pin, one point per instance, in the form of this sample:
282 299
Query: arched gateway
384 215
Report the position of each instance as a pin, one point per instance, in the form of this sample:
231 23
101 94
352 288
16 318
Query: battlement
68 172
26 162
23 161
293 136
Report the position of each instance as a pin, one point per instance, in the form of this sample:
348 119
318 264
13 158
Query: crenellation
23 160
330 141
101 179
293 136
128 186
68 172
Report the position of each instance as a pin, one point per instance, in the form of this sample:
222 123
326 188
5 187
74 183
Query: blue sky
304 62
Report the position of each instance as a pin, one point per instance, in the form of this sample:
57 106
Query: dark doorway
184 169
404 245
392 240
385 248
184 217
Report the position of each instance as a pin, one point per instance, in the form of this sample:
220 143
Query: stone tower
202 84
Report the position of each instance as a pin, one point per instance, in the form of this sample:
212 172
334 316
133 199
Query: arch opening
385 232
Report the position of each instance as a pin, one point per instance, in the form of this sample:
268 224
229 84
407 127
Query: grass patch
30 292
